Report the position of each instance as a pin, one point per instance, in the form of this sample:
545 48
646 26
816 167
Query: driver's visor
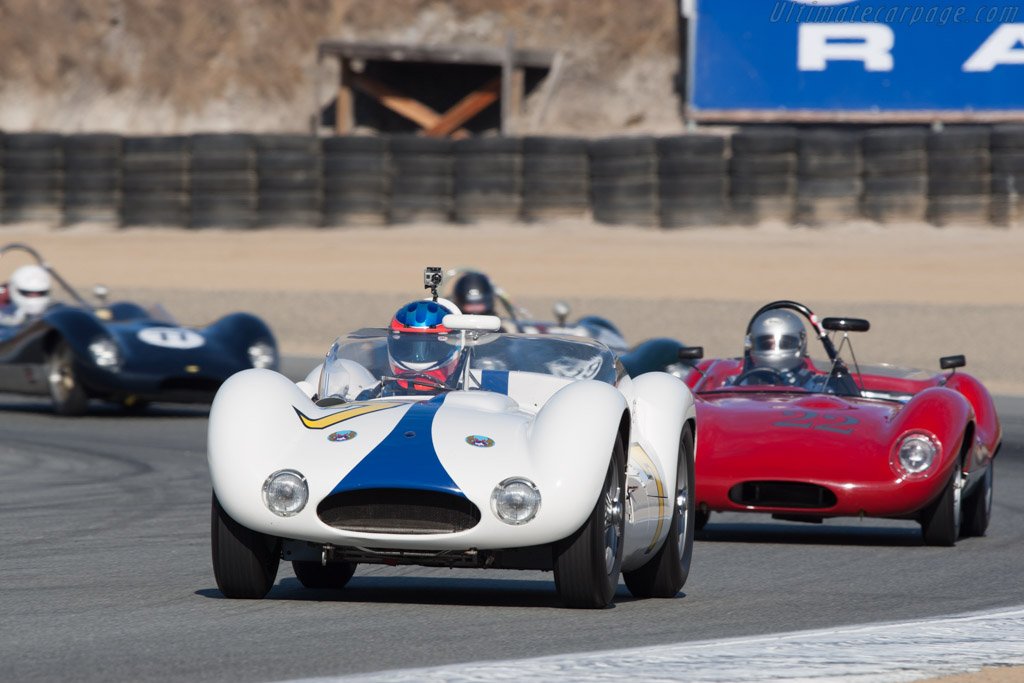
419 348
769 342
30 294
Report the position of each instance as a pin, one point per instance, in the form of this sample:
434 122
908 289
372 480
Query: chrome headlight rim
903 462
105 353
301 485
262 354
499 506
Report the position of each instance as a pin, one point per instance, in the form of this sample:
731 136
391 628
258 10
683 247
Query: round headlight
515 501
285 493
262 355
105 353
916 453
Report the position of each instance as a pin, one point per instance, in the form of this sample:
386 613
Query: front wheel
588 563
66 391
664 575
317 575
978 506
940 522
244 561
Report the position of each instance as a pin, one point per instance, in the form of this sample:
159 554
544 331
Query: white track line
876 653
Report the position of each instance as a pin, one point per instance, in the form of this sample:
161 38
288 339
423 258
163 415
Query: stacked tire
356 181
624 181
895 174
289 180
693 181
222 180
829 185
32 177
959 175
762 174
1007 147
154 181
422 179
488 177
556 178
92 179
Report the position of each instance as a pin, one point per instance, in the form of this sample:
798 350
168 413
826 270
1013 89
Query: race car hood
792 436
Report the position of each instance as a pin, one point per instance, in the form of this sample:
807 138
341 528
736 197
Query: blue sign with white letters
783 56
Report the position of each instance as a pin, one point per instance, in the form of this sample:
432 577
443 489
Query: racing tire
244 561
66 391
700 520
587 564
977 510
666 573
941 521
315 575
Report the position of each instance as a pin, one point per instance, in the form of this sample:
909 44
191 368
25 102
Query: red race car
804 440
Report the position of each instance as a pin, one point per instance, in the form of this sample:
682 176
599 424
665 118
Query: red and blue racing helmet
418 341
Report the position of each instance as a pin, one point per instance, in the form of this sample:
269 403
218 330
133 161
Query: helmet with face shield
30 289
419 343
777 340
474 294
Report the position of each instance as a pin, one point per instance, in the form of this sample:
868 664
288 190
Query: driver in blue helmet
776 351
422 353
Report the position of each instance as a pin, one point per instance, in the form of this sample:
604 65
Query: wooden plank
414 110
468 107
506 81
410 108
343 118
396 52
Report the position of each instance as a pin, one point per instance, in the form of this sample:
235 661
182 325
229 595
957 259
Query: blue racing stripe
494 380
406 458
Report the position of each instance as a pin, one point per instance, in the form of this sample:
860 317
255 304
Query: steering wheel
763 375
419 379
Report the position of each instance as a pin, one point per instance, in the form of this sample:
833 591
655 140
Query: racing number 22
808 419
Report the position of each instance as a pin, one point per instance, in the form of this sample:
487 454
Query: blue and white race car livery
118 352
537 452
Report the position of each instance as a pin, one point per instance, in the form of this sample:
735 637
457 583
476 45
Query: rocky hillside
182 66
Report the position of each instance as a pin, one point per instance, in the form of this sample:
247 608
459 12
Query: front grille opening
398 511
782 494
196 384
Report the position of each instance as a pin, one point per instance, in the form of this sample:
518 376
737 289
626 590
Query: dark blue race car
121 352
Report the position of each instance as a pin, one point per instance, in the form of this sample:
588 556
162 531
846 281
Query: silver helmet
777 340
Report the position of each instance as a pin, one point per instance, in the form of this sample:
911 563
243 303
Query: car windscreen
545 354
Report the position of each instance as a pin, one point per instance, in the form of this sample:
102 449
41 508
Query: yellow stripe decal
350 411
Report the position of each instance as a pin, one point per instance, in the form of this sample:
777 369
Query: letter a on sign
1004 46
868 43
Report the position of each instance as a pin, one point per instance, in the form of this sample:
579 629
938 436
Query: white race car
538 452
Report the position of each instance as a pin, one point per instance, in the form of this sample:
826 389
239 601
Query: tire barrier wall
814 176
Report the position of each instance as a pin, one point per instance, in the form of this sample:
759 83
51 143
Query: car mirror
952 362
561 311
691 353
846 324
101 292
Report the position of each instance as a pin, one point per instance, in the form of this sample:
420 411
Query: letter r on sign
819 44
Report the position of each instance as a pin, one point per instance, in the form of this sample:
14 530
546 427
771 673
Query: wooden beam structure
508 87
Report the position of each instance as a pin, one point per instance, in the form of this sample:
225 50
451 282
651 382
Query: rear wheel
940 522
978 506
66 391
244 561
316 575
664 575
588 563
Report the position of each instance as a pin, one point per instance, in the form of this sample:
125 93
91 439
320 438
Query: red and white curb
876 653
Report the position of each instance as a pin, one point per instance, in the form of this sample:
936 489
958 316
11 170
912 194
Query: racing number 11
808 419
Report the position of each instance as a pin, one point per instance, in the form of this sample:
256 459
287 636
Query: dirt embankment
182 66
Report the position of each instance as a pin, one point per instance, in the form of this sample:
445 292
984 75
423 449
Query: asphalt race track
106 573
